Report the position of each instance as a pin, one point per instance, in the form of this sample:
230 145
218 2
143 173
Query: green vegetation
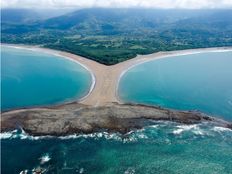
110 36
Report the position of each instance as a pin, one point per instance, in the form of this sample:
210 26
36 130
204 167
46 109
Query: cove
34 78
201 81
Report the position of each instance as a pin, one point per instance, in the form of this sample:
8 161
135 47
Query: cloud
189 4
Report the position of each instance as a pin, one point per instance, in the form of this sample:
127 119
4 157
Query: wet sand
106 78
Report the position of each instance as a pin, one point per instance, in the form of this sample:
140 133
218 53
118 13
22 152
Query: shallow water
33 78
189 82
162 148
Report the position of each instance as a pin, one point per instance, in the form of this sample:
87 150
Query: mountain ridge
110 36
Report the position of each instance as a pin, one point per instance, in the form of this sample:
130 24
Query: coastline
57 54
140 59
101 109
105 79
76 118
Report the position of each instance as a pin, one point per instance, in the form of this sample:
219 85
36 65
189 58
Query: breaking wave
157 130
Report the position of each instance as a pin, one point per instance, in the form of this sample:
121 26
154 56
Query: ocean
163 148
200 82
32 78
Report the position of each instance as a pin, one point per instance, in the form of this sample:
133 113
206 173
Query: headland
101 109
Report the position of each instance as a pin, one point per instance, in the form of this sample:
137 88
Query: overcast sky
192 4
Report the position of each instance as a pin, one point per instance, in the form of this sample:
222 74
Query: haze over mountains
18 15
110 35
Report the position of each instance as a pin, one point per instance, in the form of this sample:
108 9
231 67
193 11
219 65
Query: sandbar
106 78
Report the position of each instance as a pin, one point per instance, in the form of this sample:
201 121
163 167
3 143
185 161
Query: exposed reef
78 118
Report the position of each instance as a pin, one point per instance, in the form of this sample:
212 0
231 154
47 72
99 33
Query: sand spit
101 109
106 78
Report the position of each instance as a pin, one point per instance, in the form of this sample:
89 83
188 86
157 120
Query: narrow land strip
107 77
99 109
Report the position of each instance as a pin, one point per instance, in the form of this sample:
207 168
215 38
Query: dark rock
78 118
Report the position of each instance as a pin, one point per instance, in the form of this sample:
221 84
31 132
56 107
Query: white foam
23 135
130 171
142 136
130 132
182 128
131 136
81 170
106 135
24 172
198 132
6 135
154 126
74 136
42 170
221 129
45 158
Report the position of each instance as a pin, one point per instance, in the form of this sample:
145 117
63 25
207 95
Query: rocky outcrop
78 118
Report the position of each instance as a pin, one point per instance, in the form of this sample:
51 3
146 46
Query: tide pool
200 82
32 78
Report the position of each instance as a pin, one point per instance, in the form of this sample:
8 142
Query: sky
189 4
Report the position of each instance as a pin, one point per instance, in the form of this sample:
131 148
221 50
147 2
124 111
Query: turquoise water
200 82
164 148
30 78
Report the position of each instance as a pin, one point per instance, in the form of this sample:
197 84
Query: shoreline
162 55
77 118
57 54
105 79
101 109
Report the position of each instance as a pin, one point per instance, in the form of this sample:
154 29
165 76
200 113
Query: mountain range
110 36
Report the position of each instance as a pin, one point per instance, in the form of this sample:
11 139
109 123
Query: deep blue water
30 78
165 148
200 82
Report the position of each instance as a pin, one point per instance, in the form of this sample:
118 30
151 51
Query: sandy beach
106 78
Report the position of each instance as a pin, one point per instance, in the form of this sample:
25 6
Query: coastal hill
110 36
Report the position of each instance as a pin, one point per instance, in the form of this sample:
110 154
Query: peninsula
101 109
107 77
78 118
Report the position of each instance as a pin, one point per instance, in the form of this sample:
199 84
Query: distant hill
121 19
12 15
110 36
18 15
